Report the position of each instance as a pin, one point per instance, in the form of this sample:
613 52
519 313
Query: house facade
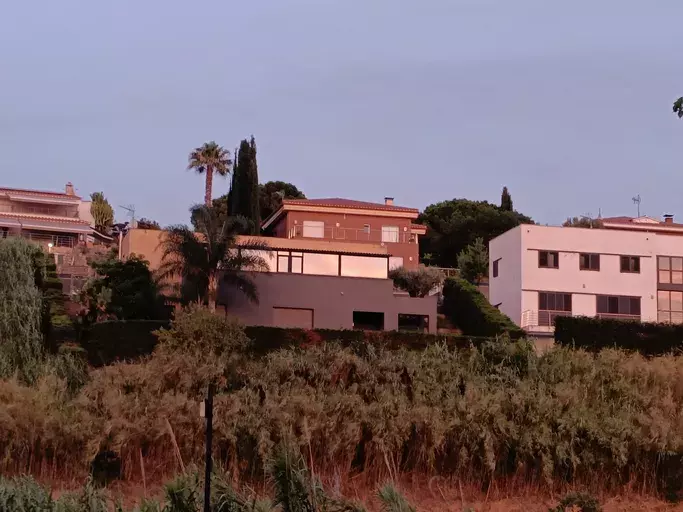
312 283
345 220
629 268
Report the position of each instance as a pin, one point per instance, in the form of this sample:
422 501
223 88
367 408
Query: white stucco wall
505 290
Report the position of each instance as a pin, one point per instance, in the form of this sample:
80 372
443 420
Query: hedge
107 342
472 313
597 333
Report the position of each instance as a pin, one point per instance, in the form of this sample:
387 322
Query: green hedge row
106 342
597 333
472 313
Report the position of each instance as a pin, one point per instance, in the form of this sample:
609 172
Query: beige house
631 268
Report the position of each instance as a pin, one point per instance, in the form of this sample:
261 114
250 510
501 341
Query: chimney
668 218
389 201
69 189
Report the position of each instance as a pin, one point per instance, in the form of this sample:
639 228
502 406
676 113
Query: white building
630 268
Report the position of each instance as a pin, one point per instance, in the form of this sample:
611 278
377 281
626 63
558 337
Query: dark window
669 270
418 323
495 268
630 264
607 305
551 301
368 321
589 261
548 259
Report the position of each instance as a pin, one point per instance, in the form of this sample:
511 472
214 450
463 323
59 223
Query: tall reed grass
497 413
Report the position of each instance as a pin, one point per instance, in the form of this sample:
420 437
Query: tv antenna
131 213
636 201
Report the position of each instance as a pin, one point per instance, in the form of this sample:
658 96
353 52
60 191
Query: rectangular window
366 228
364 266
630 264
395 262
495 267
618 306
670 270
321 264
390 234
290 262
314 229
589 261
551 305
670 307
548 259
368 320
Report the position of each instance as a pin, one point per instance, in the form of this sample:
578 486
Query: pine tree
506 200
243 199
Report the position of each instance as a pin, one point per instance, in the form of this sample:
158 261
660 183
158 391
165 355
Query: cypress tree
243 199
506 200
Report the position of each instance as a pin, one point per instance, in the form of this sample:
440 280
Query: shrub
418 283
110 341
468 309
598 333
473 261
579 502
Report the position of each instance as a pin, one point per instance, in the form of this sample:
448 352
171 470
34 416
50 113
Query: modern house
345 220
630 268
313 282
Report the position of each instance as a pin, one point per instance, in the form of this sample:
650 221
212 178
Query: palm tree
208 159
209 254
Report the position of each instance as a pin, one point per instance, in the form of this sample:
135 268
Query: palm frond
210 155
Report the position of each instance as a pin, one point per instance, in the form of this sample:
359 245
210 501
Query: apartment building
313 282
345 220
631 268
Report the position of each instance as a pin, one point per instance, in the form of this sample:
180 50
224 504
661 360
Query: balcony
541 321
353 235
44 239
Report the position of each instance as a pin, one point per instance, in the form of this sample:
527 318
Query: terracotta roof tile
43 193
633 221
338 202
49 218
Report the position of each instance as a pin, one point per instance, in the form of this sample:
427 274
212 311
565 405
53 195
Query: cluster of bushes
468 309
498 410
598 333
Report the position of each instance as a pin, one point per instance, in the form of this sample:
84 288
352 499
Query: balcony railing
616 316
352 234
43 239
543 318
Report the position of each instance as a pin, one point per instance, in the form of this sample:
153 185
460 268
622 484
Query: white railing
43 239
352 234
544 319
39 210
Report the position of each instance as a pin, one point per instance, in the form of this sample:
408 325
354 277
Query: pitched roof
338 202
40 193
48 218
641 222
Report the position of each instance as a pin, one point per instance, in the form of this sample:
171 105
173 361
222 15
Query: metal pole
209 440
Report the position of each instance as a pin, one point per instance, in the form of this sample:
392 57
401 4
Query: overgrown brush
479 414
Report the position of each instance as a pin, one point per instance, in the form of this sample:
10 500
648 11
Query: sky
568 104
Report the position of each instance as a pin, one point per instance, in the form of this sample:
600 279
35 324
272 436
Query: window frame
669 311
313 225
619 300
290 256
556 256
391 228
590 257
670 271
494 268
629 259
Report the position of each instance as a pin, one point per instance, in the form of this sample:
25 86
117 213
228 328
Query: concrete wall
332 299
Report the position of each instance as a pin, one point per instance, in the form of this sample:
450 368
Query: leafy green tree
124 290
506 200
148 224
209 159
272 193
101 211
582 222
208 256
455 224
419 282
21 310
243 199
473 261
678 107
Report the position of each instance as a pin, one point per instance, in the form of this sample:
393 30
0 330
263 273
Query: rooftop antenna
636 201
131 213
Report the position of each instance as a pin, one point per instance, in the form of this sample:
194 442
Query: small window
290 262
630 264
548 259
390 234
495 267
589 261
366 228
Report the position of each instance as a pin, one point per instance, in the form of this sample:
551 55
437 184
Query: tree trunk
213 292
209 186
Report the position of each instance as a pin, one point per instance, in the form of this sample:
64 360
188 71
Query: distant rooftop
67 194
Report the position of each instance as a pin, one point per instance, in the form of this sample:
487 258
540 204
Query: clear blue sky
566 103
